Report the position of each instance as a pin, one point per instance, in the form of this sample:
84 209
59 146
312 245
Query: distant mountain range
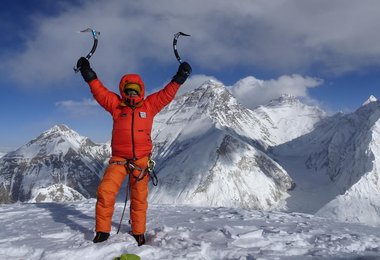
213 151
57 156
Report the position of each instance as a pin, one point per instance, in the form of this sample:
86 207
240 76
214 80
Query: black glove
84 67
183 72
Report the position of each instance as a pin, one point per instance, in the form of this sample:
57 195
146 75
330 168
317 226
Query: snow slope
65 231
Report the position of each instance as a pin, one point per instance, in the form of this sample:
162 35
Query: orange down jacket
132 127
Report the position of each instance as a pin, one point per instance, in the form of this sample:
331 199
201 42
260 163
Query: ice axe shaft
93 49
175 45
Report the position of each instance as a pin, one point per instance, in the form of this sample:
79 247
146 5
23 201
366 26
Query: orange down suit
131 140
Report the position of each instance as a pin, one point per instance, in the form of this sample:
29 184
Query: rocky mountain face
57 156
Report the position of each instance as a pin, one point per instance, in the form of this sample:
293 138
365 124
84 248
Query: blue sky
326 51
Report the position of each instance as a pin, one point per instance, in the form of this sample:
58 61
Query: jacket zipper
133 134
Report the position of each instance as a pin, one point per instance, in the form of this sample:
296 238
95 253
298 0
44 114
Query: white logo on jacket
143 114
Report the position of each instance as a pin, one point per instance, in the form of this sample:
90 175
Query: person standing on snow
131 143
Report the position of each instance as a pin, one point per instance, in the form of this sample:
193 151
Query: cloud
82 108
253 92
286 37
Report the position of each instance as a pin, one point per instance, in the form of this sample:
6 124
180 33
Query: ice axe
95 37
175 44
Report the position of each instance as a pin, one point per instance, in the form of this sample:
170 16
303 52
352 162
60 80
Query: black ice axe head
95 37
175 44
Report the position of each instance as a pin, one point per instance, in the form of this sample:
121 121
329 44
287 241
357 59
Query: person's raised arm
107 99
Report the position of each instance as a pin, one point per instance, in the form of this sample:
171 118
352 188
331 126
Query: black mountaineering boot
140 239
100 237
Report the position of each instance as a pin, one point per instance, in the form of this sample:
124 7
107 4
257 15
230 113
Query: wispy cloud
253 92
287 36
82 108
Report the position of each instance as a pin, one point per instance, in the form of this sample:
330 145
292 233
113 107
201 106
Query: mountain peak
205 97
211 85
370 100
60 129
58 136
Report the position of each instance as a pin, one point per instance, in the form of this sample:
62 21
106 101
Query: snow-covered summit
369 100
57 131
287 118
214 103
58 139
59 128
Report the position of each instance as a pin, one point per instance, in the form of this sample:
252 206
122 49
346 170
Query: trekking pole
125 204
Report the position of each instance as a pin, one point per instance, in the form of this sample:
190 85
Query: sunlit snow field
65 231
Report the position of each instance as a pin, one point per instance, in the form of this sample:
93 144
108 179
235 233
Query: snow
56 140
56 193
57 156
217 161
217 142
361 201
288 118
371 98
336 167
65 231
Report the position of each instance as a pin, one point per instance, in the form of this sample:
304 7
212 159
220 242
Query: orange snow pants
107 192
